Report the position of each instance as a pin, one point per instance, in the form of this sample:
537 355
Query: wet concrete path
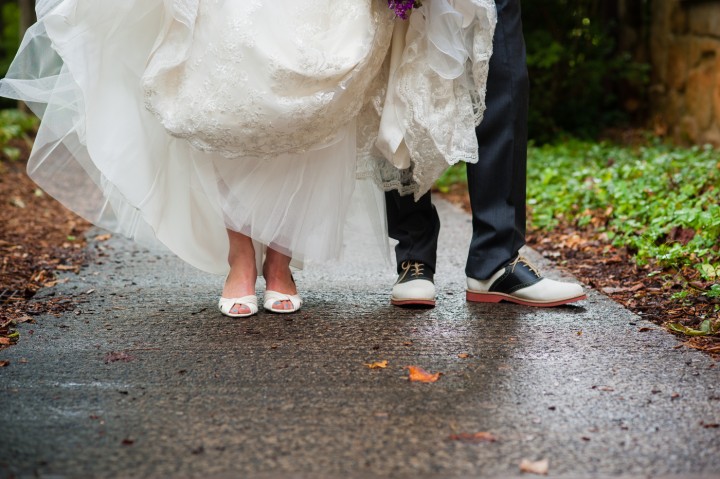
146 379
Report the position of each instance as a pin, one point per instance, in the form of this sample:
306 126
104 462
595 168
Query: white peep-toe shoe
272 297
226 305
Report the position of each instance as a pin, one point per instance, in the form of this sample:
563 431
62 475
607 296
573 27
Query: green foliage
578 76
9 34
451 176
661 202
9 40
15 125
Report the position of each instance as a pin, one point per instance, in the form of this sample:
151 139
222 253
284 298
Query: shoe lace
527 263
415 268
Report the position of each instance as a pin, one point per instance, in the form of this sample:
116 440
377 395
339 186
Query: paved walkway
145 379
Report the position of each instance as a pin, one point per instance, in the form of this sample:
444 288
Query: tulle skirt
175 120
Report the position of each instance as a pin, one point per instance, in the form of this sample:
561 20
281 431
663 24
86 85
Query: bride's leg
276 271
243 272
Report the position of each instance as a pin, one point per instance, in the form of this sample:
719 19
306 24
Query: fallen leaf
112 357
17 202
377 364
128 442
5 341
418 374
611 290
4 364
644 329
535 467
473 438
104 237
65 267
464 355
707 328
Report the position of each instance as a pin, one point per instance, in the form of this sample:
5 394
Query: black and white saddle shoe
521 283
415 286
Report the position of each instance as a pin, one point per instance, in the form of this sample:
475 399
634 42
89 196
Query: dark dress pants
496 183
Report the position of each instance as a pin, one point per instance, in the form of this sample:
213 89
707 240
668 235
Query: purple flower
402 7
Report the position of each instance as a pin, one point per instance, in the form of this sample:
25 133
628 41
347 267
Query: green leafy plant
660 202
15 125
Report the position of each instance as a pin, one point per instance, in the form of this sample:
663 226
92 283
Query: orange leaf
464 355
377 364
420 375
475 438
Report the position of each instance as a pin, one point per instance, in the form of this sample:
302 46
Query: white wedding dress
173 120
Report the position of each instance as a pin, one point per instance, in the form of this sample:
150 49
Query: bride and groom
240 134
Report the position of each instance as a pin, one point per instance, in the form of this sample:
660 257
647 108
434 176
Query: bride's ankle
279 278
239 282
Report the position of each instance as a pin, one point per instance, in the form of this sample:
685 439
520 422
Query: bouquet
402 7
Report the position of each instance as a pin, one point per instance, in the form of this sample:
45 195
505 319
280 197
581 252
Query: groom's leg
415 225
496 183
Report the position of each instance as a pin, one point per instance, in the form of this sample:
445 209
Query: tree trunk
27 14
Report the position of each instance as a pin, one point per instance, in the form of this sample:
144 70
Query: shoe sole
413 303
243 315
281 311
476 297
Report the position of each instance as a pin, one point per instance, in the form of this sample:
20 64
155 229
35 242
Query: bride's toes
282 305
276 302
240 309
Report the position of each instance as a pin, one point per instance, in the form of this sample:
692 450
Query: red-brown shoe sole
475 297
410 303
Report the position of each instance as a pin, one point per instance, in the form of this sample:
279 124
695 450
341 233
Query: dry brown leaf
535 467
5 341
473 438
113 357
377 364
464 355
104 237
418 374
65 267
4 364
